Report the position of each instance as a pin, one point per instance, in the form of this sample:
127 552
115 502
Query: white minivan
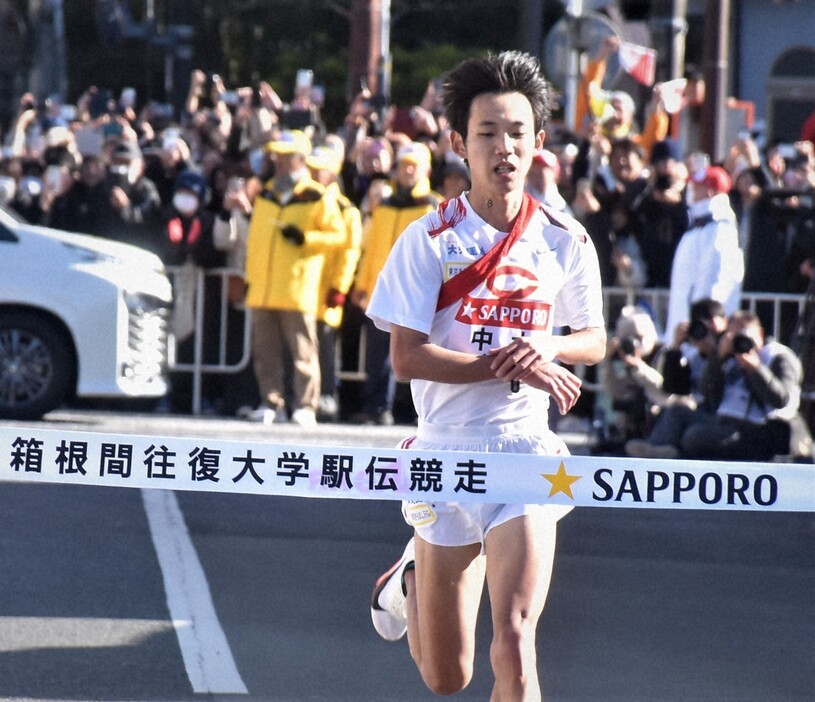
80 316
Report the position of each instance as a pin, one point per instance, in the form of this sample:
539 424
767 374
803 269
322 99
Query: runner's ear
457 142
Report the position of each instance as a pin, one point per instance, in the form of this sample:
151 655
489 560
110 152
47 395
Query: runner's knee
510 650
446 677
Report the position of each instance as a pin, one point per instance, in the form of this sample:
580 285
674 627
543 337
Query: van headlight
147 321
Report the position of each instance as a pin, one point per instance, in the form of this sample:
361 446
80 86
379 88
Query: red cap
548 159
716 178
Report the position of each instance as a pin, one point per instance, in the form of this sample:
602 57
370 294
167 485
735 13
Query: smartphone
53 178
128 97
787 151
235 184
111 129
303 83
583 186
318 95
68 112
89 141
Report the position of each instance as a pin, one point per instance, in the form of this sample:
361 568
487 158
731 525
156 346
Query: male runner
482 361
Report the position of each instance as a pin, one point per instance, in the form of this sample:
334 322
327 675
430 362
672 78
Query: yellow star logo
561 481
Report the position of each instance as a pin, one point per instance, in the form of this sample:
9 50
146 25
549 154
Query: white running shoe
389 599
304 417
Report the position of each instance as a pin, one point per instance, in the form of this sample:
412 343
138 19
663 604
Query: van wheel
36 365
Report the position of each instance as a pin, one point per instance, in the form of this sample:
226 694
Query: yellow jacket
280 274
341 262
388 221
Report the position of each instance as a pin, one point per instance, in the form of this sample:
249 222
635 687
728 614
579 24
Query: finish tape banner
31 455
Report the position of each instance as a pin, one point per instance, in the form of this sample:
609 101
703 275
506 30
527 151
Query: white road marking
207 656
50 633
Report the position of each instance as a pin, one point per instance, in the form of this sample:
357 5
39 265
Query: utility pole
49 72
668 30
384 64
360 65
574 12
679 30
531 38
369 61
13 37
179 53
715 65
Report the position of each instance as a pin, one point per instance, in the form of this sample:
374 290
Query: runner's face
501 141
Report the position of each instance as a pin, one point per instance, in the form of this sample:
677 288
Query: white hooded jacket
708 262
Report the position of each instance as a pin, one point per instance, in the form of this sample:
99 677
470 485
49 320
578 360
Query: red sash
478 271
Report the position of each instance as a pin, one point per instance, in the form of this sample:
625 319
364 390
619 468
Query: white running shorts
461 524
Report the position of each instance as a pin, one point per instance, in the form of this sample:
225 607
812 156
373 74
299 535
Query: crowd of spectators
188 186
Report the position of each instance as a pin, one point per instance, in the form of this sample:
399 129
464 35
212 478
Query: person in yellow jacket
411 197
293 225
325 163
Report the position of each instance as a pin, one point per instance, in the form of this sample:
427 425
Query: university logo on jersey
511 286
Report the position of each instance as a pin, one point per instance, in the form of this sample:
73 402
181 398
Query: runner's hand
520 358
560 383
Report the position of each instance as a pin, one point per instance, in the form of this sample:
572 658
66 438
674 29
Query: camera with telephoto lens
628 345
698 330
742 343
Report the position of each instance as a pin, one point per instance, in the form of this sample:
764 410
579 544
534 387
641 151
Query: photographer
694 342
756 389
662 214
133 196
675 386
628 372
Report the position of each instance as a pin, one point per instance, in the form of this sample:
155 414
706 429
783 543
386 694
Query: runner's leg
520 556
443 596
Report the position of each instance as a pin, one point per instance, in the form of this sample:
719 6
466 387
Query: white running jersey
549 278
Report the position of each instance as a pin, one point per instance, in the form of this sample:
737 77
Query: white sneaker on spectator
389 599
328 409
266 415
304 417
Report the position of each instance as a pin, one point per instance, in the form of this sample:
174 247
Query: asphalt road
645 605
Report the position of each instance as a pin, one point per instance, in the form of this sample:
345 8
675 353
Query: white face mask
8 187
185 203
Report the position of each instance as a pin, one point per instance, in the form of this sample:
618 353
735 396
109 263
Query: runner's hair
506 72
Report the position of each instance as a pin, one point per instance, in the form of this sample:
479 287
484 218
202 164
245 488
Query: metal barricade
198 367
775 307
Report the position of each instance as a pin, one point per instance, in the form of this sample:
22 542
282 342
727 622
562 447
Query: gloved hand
293 234
334 298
